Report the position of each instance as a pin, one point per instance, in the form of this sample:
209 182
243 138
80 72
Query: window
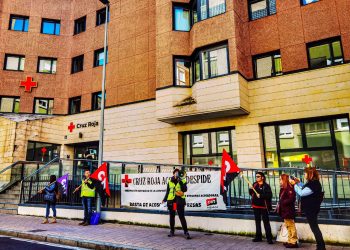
205 147
183 72
47 65
305 2
209 8
9 104
326 140
14 62
181 18
261 8
74 105
325 53
211 63
267 65
96 100
42 151
99 57
80 25
43 106
77 64
19 23
101 16
51 27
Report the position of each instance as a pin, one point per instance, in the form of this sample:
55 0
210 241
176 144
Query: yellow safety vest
174 188
86 191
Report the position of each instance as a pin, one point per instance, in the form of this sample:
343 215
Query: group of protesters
310 194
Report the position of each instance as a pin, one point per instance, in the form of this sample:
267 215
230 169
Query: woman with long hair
286 209
50 199
311 197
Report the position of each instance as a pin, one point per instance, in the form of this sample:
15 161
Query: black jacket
178 199
311 204
265 196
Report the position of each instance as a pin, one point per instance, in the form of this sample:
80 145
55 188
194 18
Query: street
11 243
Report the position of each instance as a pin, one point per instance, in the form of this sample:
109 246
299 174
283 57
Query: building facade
267 80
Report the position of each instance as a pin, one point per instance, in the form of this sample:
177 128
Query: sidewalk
119 236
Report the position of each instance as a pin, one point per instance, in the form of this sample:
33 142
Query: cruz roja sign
73 126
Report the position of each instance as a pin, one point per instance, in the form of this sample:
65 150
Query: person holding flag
261 203
175 198
92 183
50 199
87 194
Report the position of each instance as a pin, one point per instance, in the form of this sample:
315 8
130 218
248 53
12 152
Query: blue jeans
87 205
48 205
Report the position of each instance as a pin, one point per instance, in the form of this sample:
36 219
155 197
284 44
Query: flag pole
46 186
249 183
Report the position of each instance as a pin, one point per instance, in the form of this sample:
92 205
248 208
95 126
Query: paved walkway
119 236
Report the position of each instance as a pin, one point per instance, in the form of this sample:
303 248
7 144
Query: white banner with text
146 191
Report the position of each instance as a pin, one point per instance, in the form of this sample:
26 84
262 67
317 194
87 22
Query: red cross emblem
126 181
307 159
28 84
71 127
43 150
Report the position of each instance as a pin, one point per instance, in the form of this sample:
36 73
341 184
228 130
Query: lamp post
103 94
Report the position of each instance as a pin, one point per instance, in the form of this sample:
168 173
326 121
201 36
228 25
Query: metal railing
14 173
336 184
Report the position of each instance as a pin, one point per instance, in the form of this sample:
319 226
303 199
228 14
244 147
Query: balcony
214 98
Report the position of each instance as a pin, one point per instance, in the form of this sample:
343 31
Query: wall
131 68
33 44
133 133
7 139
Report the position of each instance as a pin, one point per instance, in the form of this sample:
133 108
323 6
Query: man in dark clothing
261 204
175 198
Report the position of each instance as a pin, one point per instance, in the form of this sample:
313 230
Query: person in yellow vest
175 198
87 195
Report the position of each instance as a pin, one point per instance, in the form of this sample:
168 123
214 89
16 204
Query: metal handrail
206 166
19 162
40 169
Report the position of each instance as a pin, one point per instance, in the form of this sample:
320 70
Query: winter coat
311 204
265 196
286 206
50 193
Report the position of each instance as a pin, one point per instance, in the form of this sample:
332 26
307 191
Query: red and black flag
229 171
100 180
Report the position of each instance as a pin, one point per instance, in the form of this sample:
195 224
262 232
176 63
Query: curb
74 242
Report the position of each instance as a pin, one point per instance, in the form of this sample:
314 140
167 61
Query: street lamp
103 93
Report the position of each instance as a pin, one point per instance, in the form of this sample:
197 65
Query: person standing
261 204
311 198
286 209
50 199
87 195
175 198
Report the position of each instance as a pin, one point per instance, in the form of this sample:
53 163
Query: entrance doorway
86 155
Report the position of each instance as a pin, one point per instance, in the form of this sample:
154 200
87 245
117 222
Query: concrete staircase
9 200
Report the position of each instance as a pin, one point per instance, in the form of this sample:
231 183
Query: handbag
282 234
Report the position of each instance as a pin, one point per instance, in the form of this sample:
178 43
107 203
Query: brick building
268 80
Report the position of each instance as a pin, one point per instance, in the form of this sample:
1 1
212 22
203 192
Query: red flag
101 175
228 166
